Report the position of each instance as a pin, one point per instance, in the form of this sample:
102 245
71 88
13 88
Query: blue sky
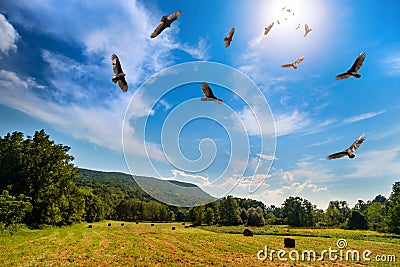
55 74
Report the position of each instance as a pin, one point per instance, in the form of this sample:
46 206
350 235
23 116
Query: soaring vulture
306 30
298 27
294 64
119 75
348 152
228 39
267 29
165 22
209 95
353 70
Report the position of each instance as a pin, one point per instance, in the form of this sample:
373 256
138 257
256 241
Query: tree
152 210
256 217
244 216
13 209
298 212
393 214
376 215
209 217
336 213
229 211
357 221
197 215
41 170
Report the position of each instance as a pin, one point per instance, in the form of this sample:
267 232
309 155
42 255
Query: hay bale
183 223
90 226
122 224
289 242
186 226
173 227
109 224
247 232
137 222
152 224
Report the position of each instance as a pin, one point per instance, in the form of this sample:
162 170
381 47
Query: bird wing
299 60
287 65
207 91
337 155
116 64
358 63
228 38
174 16
342 76
123 84
268 28
160 27
307 29
357 143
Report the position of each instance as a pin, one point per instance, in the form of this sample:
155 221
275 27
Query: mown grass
145 245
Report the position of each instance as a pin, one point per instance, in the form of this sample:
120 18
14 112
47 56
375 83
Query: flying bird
165 22
119 75
294 64
268 28
228 39
353 70
278 22
306 30
298 27
209 95
348 152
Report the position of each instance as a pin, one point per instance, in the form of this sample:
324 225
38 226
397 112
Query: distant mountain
169 191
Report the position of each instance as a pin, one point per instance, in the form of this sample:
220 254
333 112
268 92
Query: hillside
171 192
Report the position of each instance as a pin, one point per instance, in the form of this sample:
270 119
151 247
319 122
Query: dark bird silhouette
119 75
348 152
208 93
307 29
294 64
228 39
278 22
165 23
298 27
268 28
353 70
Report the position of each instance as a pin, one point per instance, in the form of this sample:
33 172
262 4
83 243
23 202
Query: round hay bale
289 242
122 224
247 232
90 226
137 222
173 227
186 226
152 224
183 223
109 224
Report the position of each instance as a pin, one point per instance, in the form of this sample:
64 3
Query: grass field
145 245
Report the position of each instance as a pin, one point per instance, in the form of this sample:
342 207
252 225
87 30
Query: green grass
144 245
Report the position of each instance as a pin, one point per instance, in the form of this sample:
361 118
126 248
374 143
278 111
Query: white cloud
377 163
267 157
363 116
189 178
287 123
392 65
9 36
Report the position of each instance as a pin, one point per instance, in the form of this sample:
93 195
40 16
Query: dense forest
39 185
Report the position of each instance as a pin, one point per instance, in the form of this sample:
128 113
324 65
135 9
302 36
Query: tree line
40 185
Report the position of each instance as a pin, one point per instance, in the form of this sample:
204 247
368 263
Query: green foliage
298 212
356 221
256 217
41 170
229 211
376 215
13 209
209 217
337 213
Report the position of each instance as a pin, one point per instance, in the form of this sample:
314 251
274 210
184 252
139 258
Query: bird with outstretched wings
209 95
350 151
307 30
353 70
228 39
268 28
294 64
119 75
298 27
165 23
